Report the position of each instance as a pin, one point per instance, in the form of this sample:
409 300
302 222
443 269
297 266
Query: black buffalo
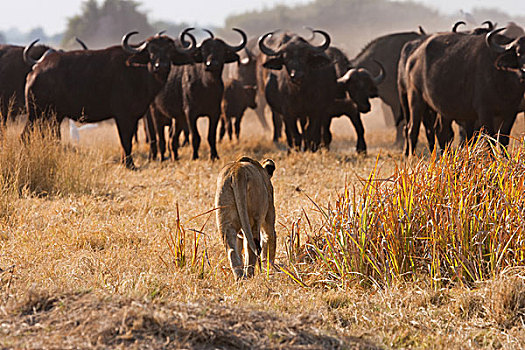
466 78
301 87
237 98
196 90
13 72
356 87
118 82
245 71
387 50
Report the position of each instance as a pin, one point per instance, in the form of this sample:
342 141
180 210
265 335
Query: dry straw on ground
96 256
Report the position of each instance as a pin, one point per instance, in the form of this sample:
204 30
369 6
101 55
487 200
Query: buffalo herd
474 78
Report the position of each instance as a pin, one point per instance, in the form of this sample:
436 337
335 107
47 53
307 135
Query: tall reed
457 218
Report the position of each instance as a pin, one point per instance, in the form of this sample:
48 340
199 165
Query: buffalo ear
231 57
269 165
197 56
342 83
139 59
341 90
508 60
274 63
319 60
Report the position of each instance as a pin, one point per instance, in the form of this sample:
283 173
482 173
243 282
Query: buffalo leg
195 137
212 135
326 134
229 129
186 131
177 126
126 130
355 118
429 121
159 122
277 126
222 128
237 126
444 132
416 110
151 134
292 133
162 140
313 132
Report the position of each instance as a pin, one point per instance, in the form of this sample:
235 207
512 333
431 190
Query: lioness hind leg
233 253
250 258
269 243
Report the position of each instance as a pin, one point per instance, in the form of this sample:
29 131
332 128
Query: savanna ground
97 256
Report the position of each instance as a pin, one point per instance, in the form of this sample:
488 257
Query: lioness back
259 190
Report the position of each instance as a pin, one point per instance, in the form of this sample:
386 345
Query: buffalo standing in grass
245 71
466 78
387 49
13 72
196 90
434 125
237 98
360 86
118 82
301 87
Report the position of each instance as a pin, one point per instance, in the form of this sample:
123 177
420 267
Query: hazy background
351 23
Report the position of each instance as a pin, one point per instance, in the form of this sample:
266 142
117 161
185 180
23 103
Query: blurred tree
105 24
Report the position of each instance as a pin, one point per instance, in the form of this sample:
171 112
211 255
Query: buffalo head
361 86
512 55
157 53
214 53
297 55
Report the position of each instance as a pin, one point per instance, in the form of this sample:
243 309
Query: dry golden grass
92 263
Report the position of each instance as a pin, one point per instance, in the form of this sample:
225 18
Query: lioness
244 199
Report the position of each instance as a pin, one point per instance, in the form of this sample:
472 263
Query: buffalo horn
28 59
490 25
209 33
311 30
242 44
160 33
456 25
84 47
422 31
128 48
265 49
489 39
381 76
327 40
189 46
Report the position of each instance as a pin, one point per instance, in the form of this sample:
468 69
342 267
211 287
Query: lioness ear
269 165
